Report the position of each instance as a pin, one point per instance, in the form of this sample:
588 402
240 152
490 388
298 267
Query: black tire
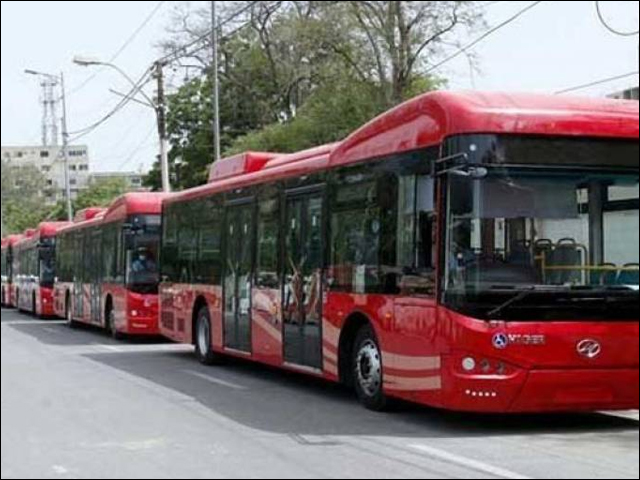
33 306
110 320
367 370
202 339
71 323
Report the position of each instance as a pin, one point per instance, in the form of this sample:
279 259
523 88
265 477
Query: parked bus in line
35 269
7 269
467 251
8 280
108 267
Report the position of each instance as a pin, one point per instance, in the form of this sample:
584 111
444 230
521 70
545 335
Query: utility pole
214 83
161 113
65 149
158 106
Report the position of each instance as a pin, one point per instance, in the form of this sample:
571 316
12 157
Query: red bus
7 269
467 251
35 269
108 267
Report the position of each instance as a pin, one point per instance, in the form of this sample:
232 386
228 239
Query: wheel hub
369 368
203 336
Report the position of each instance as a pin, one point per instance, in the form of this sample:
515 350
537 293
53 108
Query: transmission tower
50 102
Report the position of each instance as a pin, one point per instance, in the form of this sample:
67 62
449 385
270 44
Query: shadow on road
274 401
53 332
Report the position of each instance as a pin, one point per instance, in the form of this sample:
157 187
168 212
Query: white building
50 162
132 180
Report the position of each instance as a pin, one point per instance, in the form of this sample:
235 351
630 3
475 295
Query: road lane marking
216 381
469 463
632 415
60 470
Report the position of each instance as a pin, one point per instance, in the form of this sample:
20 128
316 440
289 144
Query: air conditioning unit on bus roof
241 164
88 214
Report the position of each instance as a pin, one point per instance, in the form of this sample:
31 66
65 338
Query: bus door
303 279
80 255
94 278
239 242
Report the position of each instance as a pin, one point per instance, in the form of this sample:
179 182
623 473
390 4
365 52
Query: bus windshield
47 262
535 244
142 242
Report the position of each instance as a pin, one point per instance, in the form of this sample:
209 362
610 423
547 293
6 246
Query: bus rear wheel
204 349
367 370
71 323
111 325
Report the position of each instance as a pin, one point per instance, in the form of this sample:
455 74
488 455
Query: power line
137 149
490 32
143 80
121 50
608 26
119 106
176 54
596 83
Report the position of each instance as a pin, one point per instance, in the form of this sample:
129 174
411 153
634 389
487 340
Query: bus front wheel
367 370
204 349
111 325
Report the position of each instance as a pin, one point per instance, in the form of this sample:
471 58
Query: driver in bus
143 262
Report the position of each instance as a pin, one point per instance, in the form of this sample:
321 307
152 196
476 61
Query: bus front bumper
547 391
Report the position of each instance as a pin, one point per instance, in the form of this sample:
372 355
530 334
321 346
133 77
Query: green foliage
100 194
22 204
304 73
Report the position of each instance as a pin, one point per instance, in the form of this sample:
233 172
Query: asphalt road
75 404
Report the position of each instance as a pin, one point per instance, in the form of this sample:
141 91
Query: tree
22 197
396 41
295 74
100 194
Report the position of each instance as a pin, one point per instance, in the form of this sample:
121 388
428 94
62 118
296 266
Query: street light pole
215 84
65 149
159 106
161 113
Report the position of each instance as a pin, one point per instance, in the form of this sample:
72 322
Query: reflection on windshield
517 229
142 256
47 266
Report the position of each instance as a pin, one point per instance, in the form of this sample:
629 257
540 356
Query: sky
556 45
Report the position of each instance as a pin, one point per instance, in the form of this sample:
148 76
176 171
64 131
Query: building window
73 181
49 183
73 168
46 168
44 154
83 168
136 181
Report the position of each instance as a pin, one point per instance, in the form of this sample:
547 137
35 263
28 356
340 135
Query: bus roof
85 218
135 204
50 229
427 120
13 239
146 203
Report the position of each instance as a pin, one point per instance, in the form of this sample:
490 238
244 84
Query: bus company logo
500 341
503 340
589 348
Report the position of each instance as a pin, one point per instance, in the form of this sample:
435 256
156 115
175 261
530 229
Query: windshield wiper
513 300
606 296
